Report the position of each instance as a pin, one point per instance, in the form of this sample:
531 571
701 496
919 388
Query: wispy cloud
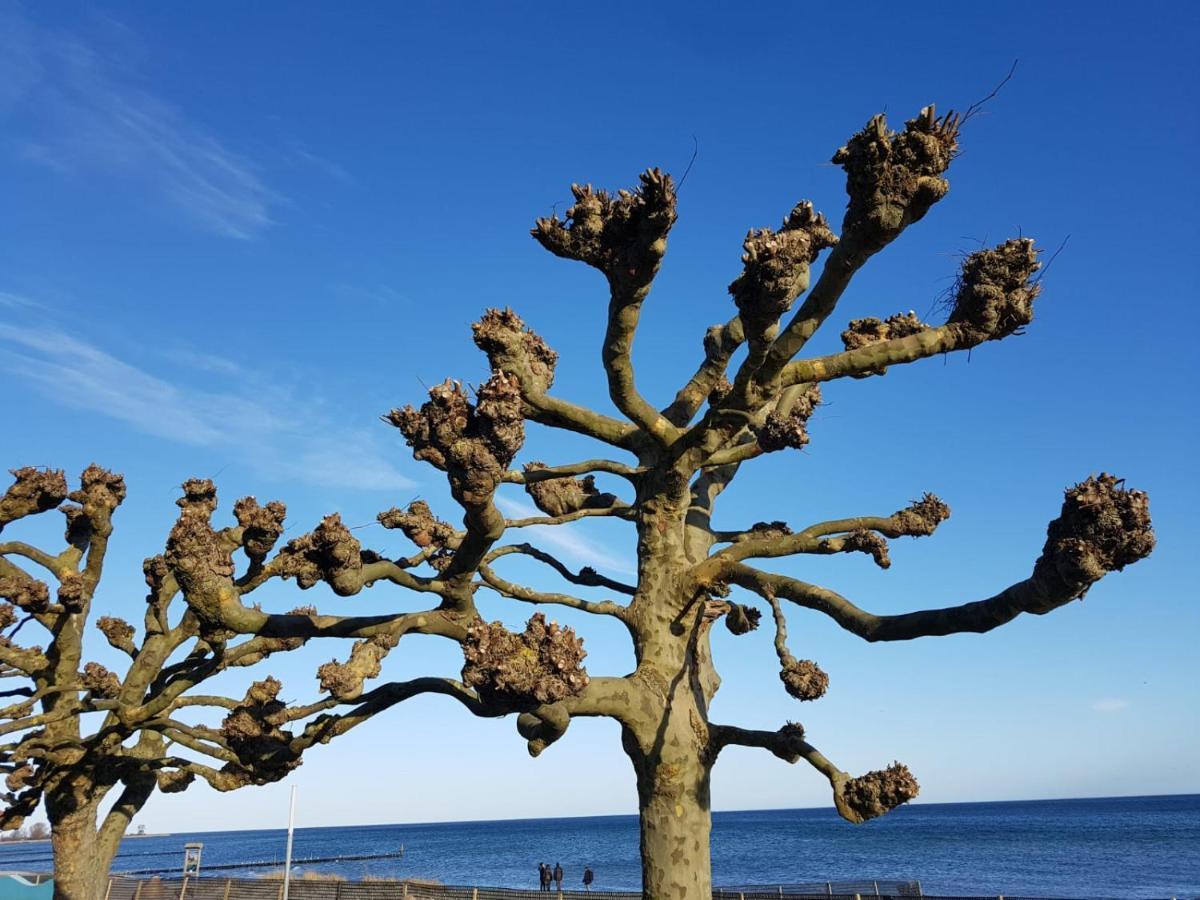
380 295
1110 705
205 362
257 426
79 111
17 301
300 156
565 539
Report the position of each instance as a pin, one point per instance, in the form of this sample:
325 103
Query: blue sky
234 234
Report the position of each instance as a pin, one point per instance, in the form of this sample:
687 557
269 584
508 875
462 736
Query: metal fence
214 888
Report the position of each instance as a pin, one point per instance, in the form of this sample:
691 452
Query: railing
208 888
304 889
820 889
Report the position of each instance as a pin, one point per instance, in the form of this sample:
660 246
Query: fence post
108 890
137 893
474 893
829 888
405 894
741 896
183 888
876 883
281 890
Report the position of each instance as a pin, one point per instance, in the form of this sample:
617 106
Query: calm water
1123 847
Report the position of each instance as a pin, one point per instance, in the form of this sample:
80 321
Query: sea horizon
715 812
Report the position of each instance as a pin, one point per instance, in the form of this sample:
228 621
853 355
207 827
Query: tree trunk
667 737
676 825
81 862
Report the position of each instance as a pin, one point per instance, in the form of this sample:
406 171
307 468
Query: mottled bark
666 737
675 825
80 862
666 734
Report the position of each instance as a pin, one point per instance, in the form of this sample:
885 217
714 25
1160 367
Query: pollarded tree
76 732
683 457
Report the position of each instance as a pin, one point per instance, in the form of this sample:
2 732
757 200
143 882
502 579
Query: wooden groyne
276 863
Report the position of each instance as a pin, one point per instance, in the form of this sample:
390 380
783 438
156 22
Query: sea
1089 848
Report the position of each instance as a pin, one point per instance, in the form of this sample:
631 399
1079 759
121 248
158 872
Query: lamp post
287 862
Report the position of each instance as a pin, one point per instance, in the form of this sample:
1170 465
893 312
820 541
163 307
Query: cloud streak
17 301
242 420
1110 705
84 114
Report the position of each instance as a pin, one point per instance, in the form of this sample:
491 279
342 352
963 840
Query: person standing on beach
588 878
558 876
543 877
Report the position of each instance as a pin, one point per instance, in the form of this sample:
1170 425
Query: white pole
287 862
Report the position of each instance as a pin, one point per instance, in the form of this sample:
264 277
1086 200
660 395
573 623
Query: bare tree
38 831
77 732
680 458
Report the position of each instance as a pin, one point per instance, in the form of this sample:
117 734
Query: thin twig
978 105
1049 262
695 153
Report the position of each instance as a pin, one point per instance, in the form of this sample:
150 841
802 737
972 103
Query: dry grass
277 875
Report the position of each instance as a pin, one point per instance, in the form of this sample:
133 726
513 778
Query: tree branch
720 343
194 739
739 453
514 349
1102 528
556 413
587 576
519 592
857 799
532 476
893 179
625 237
624 311
920 518
992 299
620 511
614 698
384 697
43 559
